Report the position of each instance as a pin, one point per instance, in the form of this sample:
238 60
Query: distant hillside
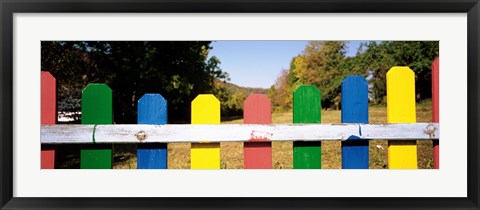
232 97
232 88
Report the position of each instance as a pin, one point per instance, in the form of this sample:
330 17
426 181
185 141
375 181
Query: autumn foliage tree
280 93
325 65
319 64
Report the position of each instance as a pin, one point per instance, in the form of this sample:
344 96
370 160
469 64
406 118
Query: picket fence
152 133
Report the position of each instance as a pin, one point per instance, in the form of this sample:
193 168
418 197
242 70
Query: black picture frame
9 7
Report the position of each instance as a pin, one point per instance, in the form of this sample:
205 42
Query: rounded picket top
355 79
99 88
257 109
205 109
405 71
97 104
307 104
47 76
152 109
307 88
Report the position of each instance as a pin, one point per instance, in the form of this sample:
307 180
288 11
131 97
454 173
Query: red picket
48 115
435 107
257 154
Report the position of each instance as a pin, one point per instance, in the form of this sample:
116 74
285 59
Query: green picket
96 109
307 109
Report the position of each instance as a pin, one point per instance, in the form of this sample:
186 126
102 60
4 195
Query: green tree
320 65
177 70
235 102
377 59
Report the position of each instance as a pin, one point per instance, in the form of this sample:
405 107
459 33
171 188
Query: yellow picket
205 110
401 109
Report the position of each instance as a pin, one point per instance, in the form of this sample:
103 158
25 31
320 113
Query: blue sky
259 63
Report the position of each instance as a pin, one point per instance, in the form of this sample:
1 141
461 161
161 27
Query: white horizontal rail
170 133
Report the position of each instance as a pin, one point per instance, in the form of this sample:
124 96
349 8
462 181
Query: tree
320 65
235 103
379 58
281 93
177 70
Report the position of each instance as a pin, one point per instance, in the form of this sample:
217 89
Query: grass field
231 155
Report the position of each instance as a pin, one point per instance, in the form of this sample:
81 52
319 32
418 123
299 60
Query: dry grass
231 155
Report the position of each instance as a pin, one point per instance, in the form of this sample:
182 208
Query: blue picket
355 110
152 109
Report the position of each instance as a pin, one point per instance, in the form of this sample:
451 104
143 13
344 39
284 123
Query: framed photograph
35 30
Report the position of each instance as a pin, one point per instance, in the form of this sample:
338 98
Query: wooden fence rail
175 133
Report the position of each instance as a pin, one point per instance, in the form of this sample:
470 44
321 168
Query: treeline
324 64
178 70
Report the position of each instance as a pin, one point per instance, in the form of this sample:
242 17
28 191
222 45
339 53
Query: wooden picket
435 108
307 109
96 109
152 109
205 110
355 110
48 116
401 109
257 154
